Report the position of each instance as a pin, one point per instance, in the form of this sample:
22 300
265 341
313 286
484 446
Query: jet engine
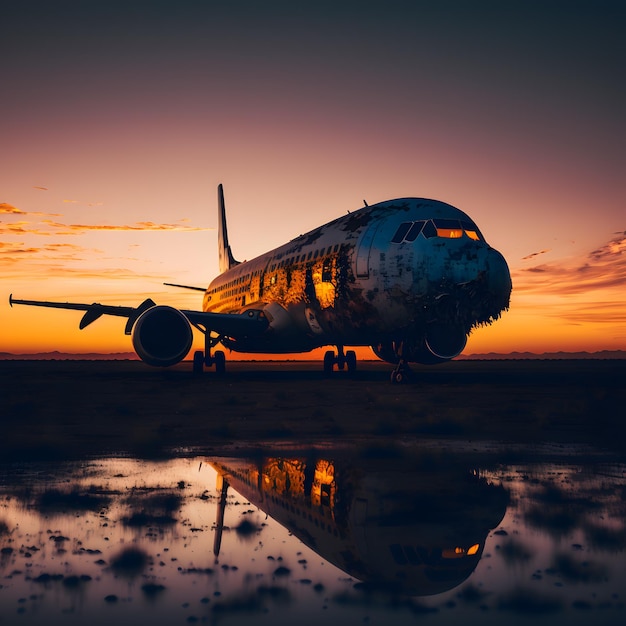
162 336
445 342
439 344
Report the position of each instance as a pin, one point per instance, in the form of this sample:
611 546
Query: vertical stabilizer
226 256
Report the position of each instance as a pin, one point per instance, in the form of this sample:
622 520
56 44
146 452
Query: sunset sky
119 119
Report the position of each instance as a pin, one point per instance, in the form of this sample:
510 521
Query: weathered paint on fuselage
351 282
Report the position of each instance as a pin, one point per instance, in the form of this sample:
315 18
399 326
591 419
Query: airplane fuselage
410 277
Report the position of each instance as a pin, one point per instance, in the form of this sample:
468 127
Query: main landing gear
218 358
343 361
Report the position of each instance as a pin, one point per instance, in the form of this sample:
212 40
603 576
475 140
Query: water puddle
325 535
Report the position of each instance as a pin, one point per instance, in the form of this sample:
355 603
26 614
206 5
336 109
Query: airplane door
363 253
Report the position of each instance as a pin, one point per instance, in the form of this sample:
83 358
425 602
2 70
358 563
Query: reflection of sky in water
127 541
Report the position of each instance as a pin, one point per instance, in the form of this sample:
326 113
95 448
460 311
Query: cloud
56 228
615 246
13 252
40 188
10 209
76 229
15 248
97 274
603 268
606 312
534 254
16 228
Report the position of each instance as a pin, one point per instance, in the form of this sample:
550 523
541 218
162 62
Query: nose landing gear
402 373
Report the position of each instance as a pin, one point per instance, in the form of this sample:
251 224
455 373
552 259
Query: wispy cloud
16 248
534 254
23 228
13 252
59 269
49 227
603 268
77 229
16 228
97 274
605 312
9 209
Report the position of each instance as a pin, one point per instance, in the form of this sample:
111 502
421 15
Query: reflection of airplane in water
419 531
409 277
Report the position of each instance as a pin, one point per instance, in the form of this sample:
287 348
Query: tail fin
226 256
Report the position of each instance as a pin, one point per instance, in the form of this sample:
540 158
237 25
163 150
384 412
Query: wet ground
485 492
441 532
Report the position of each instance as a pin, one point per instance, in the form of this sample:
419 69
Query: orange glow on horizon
554 307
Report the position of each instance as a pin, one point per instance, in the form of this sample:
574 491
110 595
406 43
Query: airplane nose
498 275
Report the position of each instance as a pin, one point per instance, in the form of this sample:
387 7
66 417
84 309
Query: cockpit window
414 231
429 230
445 228
403 229
449 229
471 230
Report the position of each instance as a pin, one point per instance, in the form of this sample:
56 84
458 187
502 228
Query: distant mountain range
69 356
494 356
490 356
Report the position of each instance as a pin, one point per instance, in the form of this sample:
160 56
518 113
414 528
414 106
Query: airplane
409 277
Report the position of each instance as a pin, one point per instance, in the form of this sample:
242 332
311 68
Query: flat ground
67 409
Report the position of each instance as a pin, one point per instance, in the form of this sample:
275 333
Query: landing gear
198 362
402 374
218 358
343 361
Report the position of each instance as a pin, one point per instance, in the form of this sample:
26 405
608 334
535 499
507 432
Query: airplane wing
248 323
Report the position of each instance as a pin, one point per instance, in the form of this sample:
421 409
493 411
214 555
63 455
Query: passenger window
403 229
327 271
414 231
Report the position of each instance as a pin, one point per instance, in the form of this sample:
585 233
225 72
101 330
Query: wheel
198 362
397 377
351 360
329 362
219 358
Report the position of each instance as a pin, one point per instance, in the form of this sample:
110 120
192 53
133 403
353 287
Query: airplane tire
329 362
198 362
399 377
351 360
220 363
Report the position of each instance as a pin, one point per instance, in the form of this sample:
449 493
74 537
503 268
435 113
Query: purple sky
123 114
